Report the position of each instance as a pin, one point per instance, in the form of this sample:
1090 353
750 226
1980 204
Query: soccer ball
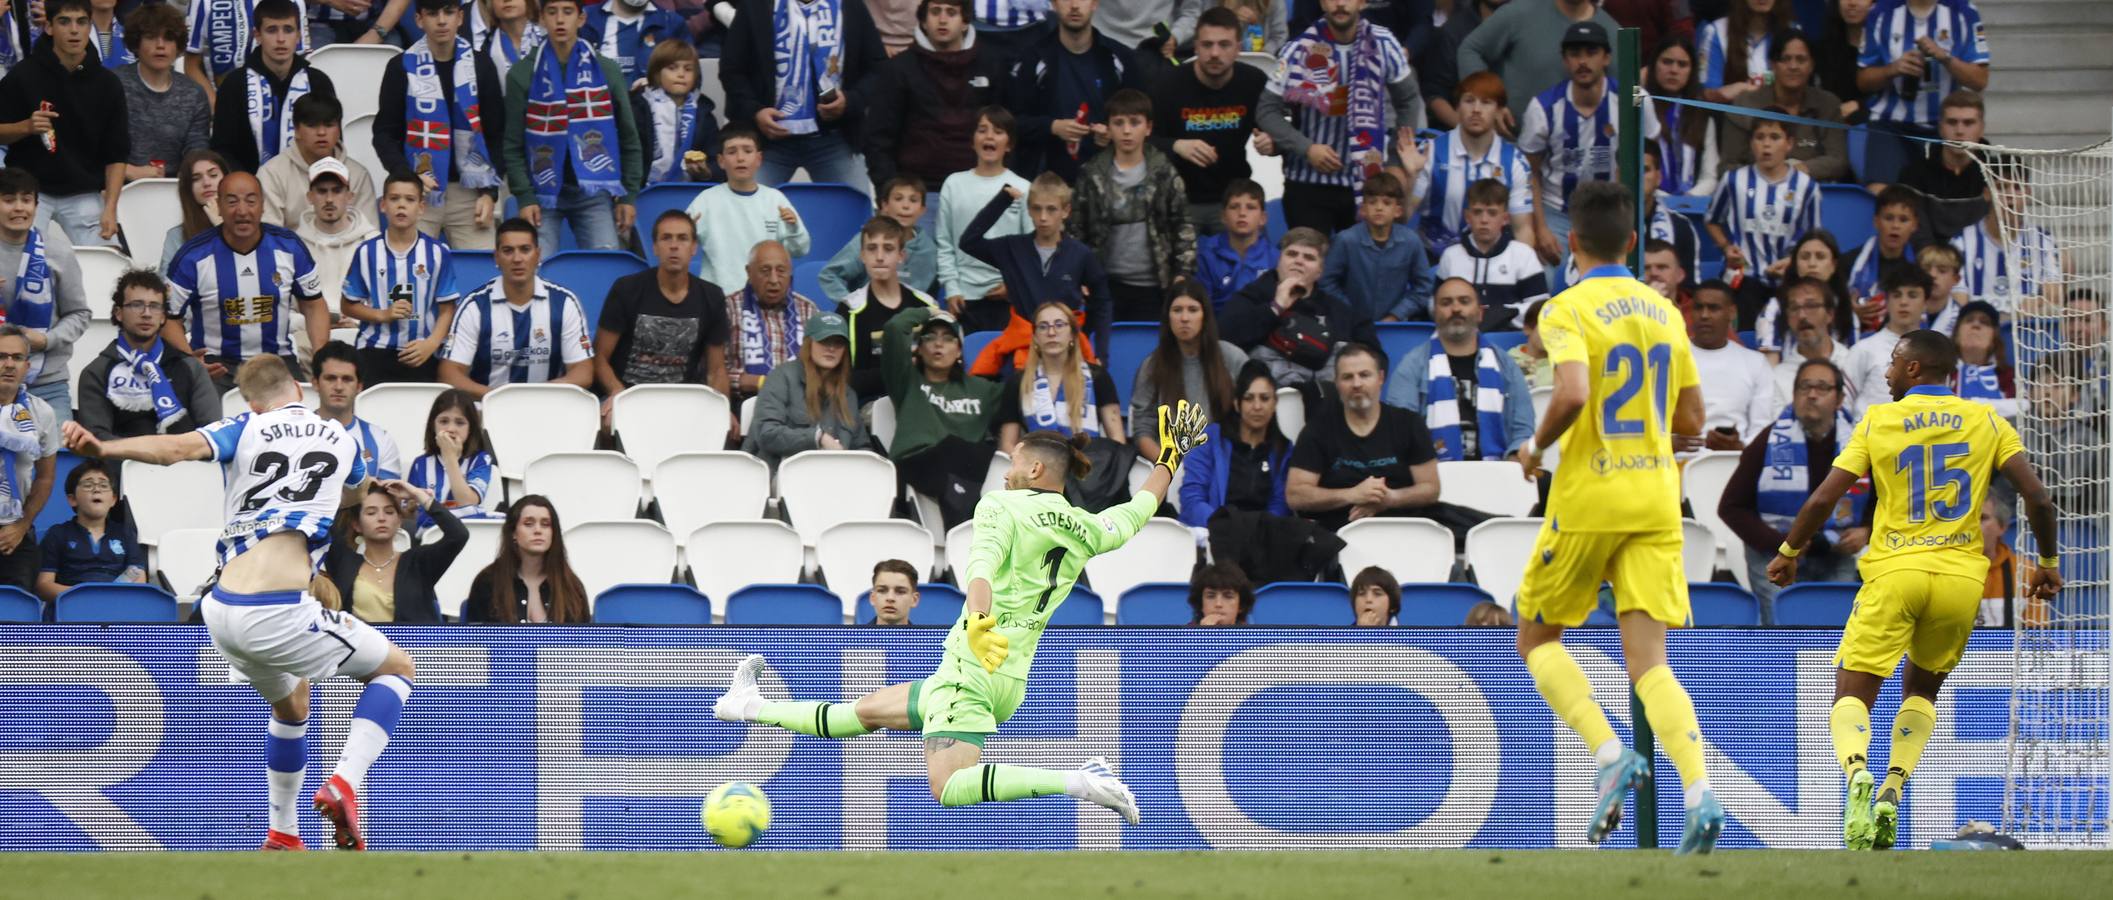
736 813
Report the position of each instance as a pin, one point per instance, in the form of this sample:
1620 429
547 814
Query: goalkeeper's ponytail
1058 452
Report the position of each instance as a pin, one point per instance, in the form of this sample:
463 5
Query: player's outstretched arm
1572 391
1180 431
2046 578
159 449
1784 568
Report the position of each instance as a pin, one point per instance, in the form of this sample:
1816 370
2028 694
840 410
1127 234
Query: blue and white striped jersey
286 470
428 472
1864 272
1763 218
380 276
221 32
503 344
378 448
1893 29
1578 144
1007 15
1711 45
2004 272
1333 131
1449 169
239 305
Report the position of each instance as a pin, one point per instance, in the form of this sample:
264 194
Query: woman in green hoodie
943 416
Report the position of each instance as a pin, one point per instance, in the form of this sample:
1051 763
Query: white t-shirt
1867 369
1737 390
1787 373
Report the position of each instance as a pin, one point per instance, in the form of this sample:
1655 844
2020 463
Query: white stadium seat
187 558
725 557
1291 412
1492 486
1414 551
1702 485
884 421
401 410
820 488
588 485
1498 550
98 336
163 499
478 552
958 540
1541 396
656 421
146 210
100 268
358 141
849 550
994 478
606 554
527 422
356 71
697 489
232 403
1698 551
1163 550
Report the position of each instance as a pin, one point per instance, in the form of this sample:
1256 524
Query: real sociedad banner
601 738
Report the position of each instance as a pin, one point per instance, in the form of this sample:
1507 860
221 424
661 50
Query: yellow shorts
1926 615
1563 577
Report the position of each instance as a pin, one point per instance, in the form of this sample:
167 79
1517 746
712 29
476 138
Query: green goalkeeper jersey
1031 545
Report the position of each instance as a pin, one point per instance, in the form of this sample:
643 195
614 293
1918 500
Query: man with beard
1360 458
1812 333
1473 398
1206 110
1778 471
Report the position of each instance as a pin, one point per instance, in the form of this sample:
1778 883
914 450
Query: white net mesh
2055 211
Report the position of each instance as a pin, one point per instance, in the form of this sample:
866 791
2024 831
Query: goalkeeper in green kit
1029 547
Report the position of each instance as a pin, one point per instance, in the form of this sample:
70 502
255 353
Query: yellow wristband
1788 552
2050 562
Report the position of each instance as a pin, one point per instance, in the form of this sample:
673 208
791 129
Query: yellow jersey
1931 456
1617 471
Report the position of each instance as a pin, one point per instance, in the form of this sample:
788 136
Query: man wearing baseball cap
1523 43
792 419
1568 134
331 225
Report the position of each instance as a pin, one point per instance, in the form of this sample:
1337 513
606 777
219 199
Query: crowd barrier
601 738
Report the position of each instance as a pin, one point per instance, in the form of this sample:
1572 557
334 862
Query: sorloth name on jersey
282 430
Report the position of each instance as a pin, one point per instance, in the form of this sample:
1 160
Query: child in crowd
1133 211
1228 260
1531 356
868 309
974 290
1759 212
456 468
1891 246
1907 293
401 289
1947 295
1379 265
677 124
901 199
1506 273
734 217
1040 267
91 547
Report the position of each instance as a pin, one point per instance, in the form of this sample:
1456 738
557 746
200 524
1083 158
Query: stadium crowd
1038 172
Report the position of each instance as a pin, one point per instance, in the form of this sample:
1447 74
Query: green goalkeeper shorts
963 702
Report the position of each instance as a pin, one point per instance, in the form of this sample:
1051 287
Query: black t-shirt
867 328
1464 394
1009 401
1343 459
1952 200
659 342
1224 118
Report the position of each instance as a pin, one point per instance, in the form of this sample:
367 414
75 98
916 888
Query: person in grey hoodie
807 402
45 297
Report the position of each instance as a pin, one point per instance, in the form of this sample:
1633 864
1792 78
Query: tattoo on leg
938 743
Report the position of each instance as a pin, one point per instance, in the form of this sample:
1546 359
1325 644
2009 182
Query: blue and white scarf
270 117
32 303
571 115
1441 405
1682 160
119 55
1051 407
808 49
435 139
674 126
1318 82
500 46
1983 383
1785 483
755 344
18 435
138 384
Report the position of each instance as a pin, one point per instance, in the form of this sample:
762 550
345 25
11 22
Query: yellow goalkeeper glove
989 647
1180 431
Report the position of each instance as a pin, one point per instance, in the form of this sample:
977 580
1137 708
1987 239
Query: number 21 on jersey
1630 370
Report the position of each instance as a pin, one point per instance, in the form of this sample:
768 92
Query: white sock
1697 791
1607 753
379 706
285 792
1075 784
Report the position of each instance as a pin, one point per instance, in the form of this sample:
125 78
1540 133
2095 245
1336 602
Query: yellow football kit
1614 509
1931 456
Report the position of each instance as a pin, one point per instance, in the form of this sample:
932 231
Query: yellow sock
1850 723
1569 693
1912 727
1672 717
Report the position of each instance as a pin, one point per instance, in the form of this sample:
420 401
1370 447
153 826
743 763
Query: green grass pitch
1366 875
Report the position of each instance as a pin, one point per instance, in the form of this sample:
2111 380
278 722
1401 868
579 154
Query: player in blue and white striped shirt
402 290
1760 210
233 290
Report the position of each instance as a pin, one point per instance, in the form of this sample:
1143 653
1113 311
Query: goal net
2055 209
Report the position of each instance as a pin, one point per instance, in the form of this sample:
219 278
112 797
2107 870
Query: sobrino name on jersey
1629 306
